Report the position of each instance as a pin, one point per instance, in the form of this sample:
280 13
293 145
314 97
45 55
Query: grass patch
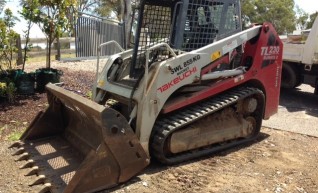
36 59
68 55
14 136
2 128
43 58
89 94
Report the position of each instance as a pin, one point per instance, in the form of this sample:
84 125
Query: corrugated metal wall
91 32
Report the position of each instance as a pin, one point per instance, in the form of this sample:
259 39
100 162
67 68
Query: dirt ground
278 161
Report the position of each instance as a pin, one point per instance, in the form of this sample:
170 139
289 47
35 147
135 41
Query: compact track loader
192 83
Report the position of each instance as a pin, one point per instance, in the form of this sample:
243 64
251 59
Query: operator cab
174 27
185 25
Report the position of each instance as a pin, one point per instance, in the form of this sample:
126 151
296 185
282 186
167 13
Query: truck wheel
290 76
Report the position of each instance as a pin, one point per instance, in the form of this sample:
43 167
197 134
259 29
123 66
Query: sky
22 25
307 5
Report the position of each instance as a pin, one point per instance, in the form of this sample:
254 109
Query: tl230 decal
270 52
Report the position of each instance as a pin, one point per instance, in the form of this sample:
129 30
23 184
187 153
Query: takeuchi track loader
189 84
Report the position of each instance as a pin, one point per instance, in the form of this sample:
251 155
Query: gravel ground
298 111
84 65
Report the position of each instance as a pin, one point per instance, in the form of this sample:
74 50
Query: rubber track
166 125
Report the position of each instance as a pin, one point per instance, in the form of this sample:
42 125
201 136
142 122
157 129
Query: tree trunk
58 48
50 47
48 52
19 59
127 22
27 40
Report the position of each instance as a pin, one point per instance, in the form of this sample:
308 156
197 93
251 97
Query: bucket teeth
33 171
23 156
19 151
16 144
44 188
28 164
39 180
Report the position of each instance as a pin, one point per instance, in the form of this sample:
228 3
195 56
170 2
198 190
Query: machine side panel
267 57
265 70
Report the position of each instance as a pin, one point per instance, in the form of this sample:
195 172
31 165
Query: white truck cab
300 56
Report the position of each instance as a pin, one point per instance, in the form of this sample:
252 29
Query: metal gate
91 31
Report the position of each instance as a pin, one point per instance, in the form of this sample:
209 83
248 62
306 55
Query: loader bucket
77 146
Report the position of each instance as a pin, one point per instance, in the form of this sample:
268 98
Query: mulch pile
16 116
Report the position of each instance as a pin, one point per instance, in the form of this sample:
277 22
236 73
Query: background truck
300 59
193 84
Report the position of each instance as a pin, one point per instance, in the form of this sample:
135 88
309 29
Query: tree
121 9
75 10
31 13
312 18
279 12
2 4
87 6
108 8
302 18
52 20
8 38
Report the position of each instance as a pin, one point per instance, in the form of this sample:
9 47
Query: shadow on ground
299 100
19 100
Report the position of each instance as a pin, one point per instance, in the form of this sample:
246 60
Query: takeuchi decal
177 80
